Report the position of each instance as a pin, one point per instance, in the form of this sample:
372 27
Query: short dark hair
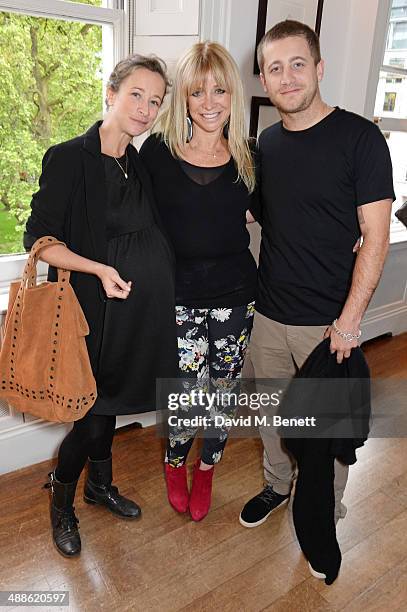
285 29
131 63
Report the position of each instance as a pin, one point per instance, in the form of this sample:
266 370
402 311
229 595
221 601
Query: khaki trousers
274 348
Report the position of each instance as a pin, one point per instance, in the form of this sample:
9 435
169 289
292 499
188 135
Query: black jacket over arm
71 206
338 395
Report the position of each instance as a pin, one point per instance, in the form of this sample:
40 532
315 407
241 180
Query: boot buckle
50 484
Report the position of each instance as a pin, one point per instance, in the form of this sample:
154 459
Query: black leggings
90 437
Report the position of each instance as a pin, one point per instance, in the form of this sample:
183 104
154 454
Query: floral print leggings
212 344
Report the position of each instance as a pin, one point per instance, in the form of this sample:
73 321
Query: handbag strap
29 278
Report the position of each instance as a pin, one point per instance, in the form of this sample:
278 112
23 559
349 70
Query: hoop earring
190 129
226 130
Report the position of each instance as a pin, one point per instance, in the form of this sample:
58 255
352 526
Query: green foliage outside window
51 91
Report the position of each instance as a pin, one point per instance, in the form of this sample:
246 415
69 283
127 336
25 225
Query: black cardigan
71 206
338 395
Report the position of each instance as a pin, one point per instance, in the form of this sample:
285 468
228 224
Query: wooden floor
165 562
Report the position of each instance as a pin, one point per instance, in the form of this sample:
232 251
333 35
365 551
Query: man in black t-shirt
325 178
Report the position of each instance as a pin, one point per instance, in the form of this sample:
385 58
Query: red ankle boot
177 487
200 500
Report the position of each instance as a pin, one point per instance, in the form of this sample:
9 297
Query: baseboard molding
35 441
29 443
390 318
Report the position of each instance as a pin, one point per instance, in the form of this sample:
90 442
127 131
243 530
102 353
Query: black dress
139 336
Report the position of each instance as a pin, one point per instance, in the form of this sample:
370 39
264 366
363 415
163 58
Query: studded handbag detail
44 362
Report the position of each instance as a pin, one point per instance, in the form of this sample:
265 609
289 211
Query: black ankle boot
63 520
99 490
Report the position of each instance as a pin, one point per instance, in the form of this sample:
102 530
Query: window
397 142
396 61
93 2
398 35
390 106
54 59
389 101
399 9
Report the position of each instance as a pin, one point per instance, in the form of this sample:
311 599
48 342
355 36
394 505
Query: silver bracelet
348 336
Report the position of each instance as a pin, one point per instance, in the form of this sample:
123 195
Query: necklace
213 155
121 167
208 154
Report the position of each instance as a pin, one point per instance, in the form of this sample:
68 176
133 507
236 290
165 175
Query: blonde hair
192 69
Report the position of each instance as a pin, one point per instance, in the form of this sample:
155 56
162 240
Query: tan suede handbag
44 362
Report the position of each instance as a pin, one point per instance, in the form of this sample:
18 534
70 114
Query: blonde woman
203 176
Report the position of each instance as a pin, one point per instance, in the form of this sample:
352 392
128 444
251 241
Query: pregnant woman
96 197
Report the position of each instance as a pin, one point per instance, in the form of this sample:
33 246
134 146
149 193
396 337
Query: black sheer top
204 213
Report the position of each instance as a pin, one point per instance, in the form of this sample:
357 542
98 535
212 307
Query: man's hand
339 345
374 222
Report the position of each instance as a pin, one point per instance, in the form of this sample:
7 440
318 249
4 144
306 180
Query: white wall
242 38
347 35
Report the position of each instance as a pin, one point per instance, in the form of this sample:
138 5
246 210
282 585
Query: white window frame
114 14
386 124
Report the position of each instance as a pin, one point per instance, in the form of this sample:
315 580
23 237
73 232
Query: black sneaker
259 508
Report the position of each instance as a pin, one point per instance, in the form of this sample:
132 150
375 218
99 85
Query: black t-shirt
204 213
311 183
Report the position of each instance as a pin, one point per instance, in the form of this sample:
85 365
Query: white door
167 17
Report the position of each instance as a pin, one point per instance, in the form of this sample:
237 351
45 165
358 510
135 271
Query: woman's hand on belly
59 256
114 286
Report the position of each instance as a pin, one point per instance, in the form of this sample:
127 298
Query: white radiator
8 416
4 408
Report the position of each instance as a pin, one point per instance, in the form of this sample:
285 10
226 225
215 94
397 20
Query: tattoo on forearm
360 216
